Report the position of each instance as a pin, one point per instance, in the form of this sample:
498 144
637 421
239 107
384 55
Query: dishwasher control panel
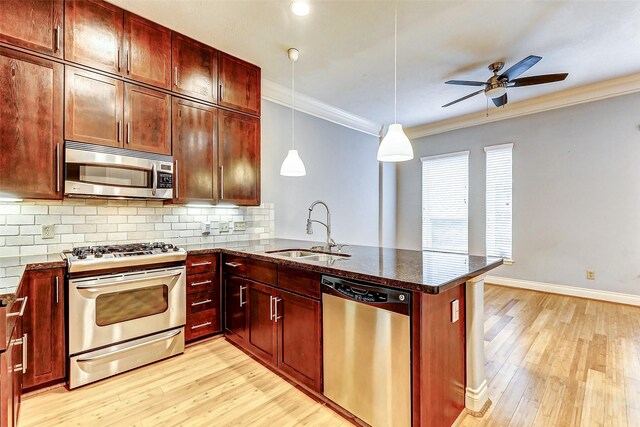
361 294
365 293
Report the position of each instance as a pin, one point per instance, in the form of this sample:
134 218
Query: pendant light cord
293 104
395 65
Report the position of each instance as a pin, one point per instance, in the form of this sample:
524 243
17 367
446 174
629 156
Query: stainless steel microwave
99 171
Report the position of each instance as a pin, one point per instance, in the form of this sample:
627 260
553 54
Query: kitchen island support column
477 394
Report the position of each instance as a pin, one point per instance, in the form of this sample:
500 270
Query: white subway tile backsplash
80 222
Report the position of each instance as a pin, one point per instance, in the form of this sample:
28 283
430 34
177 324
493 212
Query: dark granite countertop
424 271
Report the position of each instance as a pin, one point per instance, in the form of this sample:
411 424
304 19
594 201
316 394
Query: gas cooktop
88 258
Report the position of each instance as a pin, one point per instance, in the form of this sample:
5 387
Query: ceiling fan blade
500 101
516 69
464 97
538 80
465 83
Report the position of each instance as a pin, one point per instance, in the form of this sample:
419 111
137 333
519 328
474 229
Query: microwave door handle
154 179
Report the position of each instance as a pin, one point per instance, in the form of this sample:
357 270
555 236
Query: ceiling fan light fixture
300 8
395 146
495 91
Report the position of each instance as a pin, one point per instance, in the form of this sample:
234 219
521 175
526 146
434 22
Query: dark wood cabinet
239 85
147 117
34 25
235 307
43 326
31 121
93 34
147 47
93 108
261 331
239 158
195 151
195 68
203 297
11 362
300 338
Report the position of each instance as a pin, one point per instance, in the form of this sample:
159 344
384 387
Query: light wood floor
551 361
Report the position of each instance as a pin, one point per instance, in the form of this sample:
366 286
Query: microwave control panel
165 180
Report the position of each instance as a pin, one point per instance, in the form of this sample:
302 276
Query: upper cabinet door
239 148
147 116
93 34
194 151
239 85
93 108
147 50
31 121
195 69
33 24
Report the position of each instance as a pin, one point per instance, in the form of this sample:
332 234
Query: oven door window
117 307
109 175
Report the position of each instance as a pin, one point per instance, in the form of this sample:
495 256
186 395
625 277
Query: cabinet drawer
201 282
235 265
201 301
300 281
201 263
201 324
262 271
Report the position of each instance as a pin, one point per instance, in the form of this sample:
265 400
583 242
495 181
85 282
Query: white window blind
499 200
445 195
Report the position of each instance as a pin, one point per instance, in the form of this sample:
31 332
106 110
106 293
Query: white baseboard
565 290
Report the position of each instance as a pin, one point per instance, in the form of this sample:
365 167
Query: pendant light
292 165
395 146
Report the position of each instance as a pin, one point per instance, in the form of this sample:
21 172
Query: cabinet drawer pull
221 92
119 130
175 79
175 174
233 264
58 38
206 301
275 303
57 290
198 264
242 288
24 353
201 325
222 181
271 307
204 282
118 58
21 312
128 132
128 61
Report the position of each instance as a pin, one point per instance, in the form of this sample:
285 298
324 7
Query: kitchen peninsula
269 298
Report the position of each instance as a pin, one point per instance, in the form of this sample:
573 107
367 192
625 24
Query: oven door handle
122 350
121 282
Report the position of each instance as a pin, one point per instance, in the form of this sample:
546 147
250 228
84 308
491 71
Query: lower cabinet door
299 326
43 328
235 311
261 331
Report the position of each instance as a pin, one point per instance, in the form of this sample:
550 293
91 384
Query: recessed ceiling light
300 8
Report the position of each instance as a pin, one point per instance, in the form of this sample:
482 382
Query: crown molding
282 95
566 98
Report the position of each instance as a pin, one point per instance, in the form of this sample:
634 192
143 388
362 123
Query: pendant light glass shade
395 146
292 165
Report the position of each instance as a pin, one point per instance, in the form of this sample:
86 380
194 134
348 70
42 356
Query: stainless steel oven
98 171
121 321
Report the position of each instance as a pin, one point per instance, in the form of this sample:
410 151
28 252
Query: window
499 196
445 194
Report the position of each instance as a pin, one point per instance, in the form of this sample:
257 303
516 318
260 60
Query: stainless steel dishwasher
367 350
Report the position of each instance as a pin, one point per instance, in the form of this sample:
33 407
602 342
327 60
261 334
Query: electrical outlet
239 226
455 311
224 226
48 231
205 228
591 275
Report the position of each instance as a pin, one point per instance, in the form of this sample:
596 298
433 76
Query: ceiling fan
496 87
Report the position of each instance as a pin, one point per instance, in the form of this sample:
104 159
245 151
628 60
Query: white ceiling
346 47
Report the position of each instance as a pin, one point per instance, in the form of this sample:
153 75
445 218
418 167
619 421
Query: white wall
342 171
576 203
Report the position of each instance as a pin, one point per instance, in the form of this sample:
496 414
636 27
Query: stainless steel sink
306 255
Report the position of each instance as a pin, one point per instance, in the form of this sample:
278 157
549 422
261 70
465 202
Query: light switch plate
239 226
48 231
455 311
205 228
224 226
